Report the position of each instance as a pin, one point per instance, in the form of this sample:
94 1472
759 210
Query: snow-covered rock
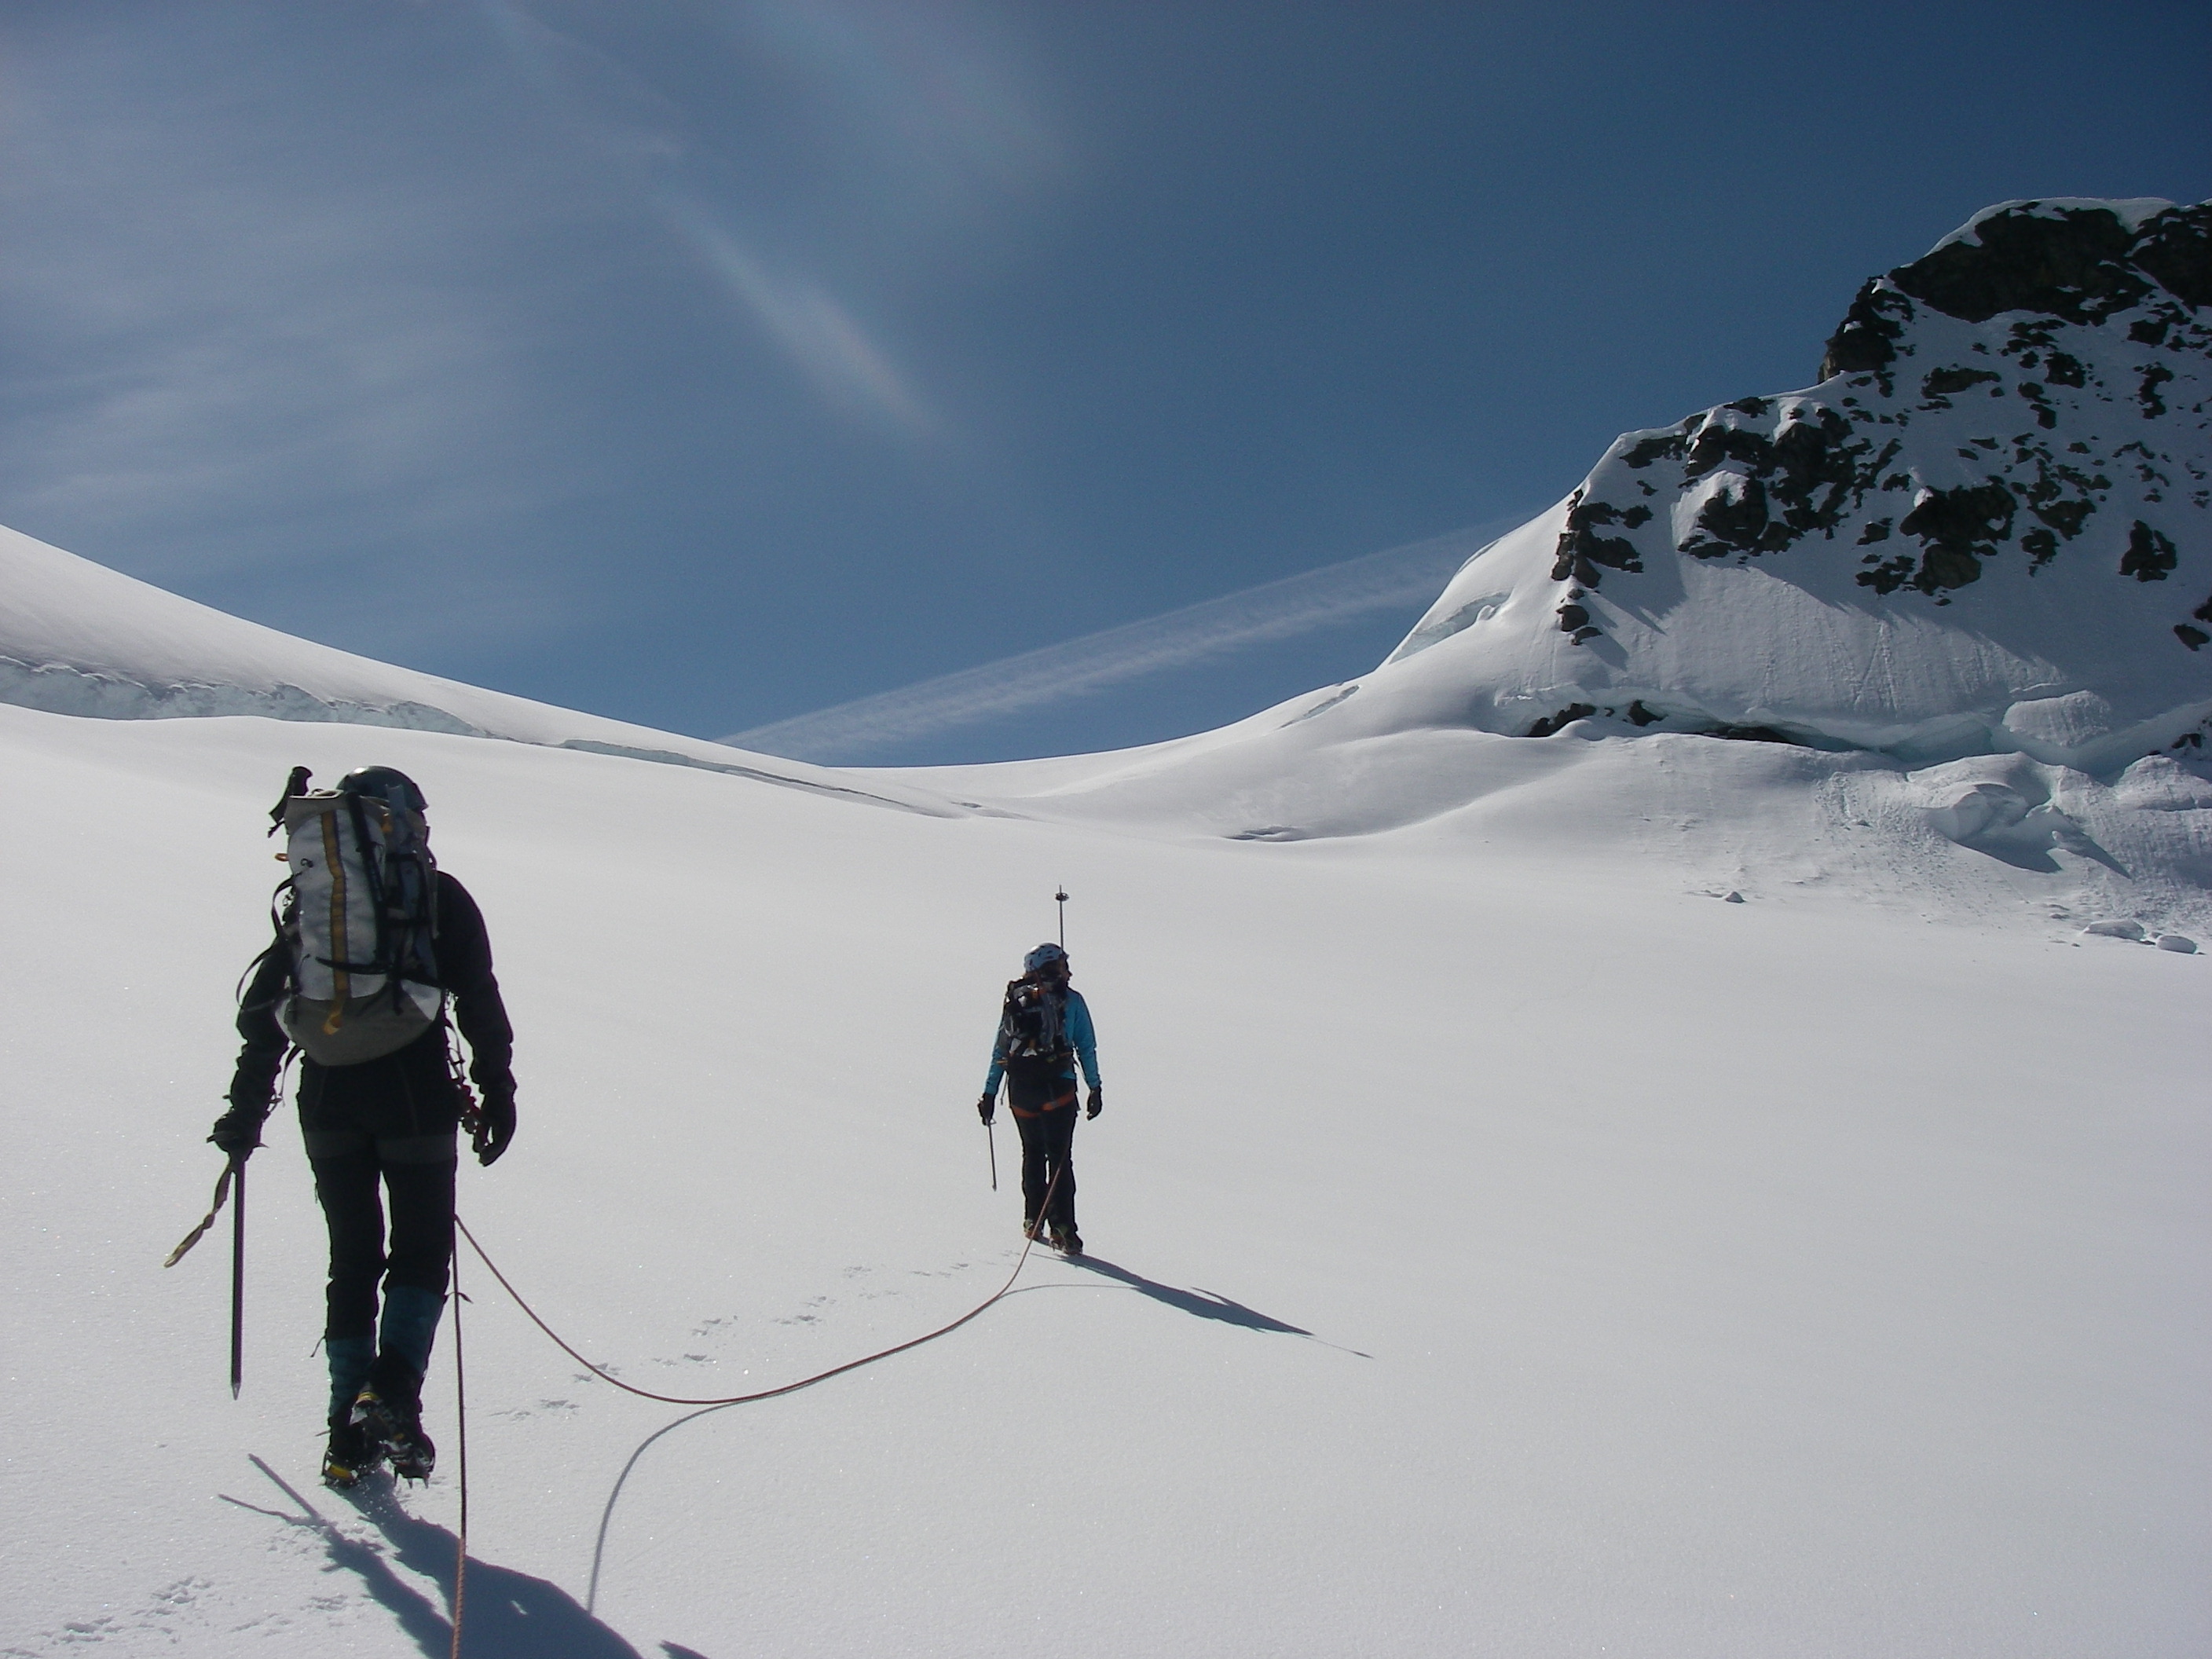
1984 529
1953 592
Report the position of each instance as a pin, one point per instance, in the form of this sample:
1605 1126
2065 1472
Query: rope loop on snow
561 1342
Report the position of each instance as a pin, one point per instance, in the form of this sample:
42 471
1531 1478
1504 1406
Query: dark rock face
1866 341
2040 383
2177 253
2076 263
1641 716
1584 545
2150 556
1565 717
2195 638
1957 528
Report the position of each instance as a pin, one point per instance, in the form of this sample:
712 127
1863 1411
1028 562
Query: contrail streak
1410 575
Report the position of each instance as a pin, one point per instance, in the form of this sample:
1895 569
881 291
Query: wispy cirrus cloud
1397 578
906 135
277 373
820 336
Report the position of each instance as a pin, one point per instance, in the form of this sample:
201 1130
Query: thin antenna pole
1060 896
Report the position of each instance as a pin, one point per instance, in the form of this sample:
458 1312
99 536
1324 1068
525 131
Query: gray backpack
360 925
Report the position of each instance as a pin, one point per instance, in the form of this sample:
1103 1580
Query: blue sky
1005 379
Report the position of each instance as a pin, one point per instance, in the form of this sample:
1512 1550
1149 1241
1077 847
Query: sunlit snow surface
1503 1247
1621 1191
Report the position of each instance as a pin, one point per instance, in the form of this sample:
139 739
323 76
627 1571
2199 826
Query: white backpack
360 928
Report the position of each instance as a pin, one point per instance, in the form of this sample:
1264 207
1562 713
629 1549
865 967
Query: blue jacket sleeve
1083 1037
998 1063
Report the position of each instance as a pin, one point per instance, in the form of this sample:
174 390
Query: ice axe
233 1174
238 1282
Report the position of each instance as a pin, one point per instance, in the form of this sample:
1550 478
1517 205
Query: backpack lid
393 787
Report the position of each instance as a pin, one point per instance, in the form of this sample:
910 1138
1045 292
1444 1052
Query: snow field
1676 1277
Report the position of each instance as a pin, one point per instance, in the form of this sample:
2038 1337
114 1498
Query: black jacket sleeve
253 1083
464 967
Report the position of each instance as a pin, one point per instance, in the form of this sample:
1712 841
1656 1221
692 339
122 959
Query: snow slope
1506 1244
1964 577
1960 573
1500 1251
76 638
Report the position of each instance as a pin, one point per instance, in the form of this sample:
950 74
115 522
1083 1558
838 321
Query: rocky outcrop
2035 388
2096 330
1996 503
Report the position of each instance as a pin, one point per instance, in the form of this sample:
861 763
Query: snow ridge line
561 1342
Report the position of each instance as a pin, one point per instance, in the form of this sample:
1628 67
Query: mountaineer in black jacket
391 1120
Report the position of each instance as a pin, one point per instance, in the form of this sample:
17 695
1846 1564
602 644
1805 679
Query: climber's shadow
506 1614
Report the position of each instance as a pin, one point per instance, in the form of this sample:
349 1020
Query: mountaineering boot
389 1411
349 1357
350 1454
1067 1240
410 1325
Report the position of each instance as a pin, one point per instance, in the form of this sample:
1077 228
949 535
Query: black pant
392 1122
1046 1117
418 1171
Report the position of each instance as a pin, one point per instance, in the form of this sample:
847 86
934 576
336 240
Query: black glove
493 1129
238 1131
987 1108
1097 1103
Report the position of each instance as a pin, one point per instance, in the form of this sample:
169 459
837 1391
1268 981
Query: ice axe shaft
238 1280
991 1136
231 1185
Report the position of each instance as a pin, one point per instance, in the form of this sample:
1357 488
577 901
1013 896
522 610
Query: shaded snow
1502 1248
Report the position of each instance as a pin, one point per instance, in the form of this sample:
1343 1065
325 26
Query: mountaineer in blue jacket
1044 1030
